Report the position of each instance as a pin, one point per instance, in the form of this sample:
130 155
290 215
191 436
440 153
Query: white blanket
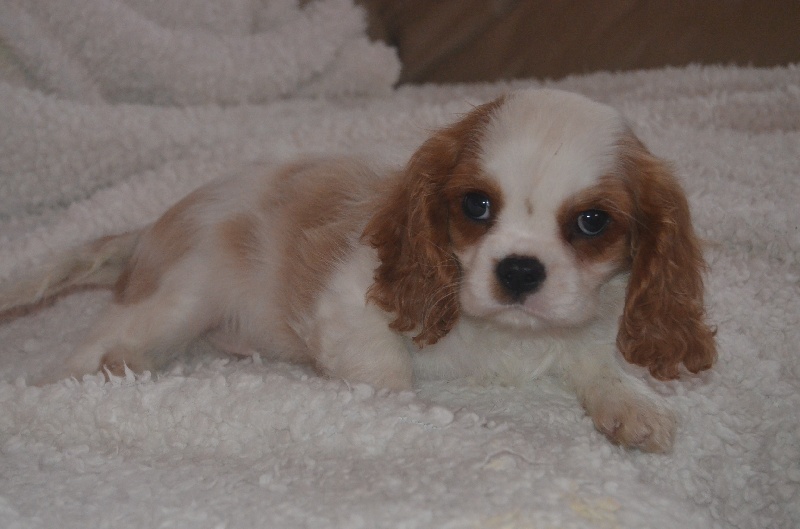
113 110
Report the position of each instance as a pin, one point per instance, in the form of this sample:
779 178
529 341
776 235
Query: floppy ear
418 276
663 324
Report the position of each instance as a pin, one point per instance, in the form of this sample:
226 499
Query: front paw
633 421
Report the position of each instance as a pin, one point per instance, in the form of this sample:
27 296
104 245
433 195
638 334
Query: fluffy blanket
112 110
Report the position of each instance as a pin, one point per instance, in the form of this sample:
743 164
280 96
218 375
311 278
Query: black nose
520 275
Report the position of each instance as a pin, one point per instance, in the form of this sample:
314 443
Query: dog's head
518 214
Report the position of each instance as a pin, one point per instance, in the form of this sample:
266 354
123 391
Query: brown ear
417 279
663 323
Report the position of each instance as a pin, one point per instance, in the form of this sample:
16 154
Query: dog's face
546 196
521 211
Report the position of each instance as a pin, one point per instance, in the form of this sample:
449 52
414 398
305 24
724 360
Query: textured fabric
71 67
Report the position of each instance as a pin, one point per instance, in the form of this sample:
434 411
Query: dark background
486 40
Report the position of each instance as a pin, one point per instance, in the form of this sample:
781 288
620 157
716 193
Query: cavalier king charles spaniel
535 235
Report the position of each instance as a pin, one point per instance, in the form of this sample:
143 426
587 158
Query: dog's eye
591 223
477 206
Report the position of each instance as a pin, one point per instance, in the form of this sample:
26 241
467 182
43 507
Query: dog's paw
115 361
633 421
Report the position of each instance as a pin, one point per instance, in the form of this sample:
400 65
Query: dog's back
243 258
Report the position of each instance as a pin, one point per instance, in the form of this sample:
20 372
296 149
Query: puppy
535 235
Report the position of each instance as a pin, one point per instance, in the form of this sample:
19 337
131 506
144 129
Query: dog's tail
97 263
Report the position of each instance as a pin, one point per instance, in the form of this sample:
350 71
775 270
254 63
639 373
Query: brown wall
474 40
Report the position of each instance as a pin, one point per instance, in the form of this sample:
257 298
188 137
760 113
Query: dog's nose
520 275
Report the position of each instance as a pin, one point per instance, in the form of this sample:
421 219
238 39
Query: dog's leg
621 406
355 343
142 336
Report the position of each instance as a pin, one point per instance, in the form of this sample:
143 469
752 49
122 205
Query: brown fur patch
239 236
663 324
160 246
418 276
283 189
612 196
321 218
467 178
